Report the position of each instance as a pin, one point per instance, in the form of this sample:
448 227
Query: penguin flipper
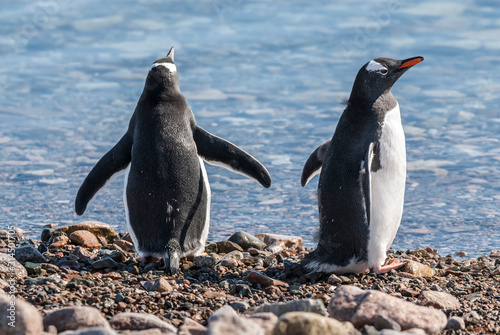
366 166
114 161
217 151
314 163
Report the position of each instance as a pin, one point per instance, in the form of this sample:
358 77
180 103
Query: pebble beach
86 279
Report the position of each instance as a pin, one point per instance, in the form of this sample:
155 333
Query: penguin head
378 75
163 75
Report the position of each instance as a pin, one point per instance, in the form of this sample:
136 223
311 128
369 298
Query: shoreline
66 268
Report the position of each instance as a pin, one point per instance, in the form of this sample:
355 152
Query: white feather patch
374 66
171 67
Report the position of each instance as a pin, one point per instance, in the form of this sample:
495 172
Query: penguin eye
383 71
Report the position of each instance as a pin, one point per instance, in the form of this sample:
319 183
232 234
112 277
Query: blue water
268 76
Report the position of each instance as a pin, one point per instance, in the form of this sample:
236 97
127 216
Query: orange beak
410 62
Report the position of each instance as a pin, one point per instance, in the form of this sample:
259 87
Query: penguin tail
172 257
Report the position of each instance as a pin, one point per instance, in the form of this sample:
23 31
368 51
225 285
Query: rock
214 295
103 263
204 261
275 242
240 306
472 318
73 318
29 253
369 330
33 268
91 331
441 300
334 280
158 285
211 247
42 280
306 305
11 268
246 241
455 323
418 269
382 322
139 321
226 321
46 234
125 245
22 315
267 321
495 253
231 259
228 246
264 281
350 303
461 253
95 227
85 238
299 323
191 327
58 241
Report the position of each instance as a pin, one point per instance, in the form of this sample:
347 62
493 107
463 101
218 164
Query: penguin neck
373 105
160 94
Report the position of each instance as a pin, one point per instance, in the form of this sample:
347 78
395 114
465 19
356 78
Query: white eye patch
171 67
374 66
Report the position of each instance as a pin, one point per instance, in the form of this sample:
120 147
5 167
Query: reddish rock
264 281
418 269
228 246
214 295
158 285
139 321
298 323
85 238
441 300
276 242
124 245
406 292
350 303
59 241
27 319
95 227
72 318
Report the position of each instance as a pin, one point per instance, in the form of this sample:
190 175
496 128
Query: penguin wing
114 161
314 163
217 151
365 179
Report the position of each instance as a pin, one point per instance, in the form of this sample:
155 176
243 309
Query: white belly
387 189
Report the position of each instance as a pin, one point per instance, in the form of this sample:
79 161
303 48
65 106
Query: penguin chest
387 186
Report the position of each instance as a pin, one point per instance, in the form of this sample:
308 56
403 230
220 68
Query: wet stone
106 262
46 234
29 253
33 268
246 241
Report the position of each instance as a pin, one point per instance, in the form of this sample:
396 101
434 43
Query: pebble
383 322
46 234
472 318
191 327
158 285
440 300
418 269
240 306
246 241
350 303
58 241
205 261
103 263
85 238
72 318
139 321
29 253
455 323
23 317
306 305
275 242
225 321
299 323
33 268
334 280
263 280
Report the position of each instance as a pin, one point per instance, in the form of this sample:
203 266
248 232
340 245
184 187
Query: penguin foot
393 265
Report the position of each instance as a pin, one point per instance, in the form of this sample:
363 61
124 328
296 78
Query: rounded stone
246 241
85 239
298 323
72 318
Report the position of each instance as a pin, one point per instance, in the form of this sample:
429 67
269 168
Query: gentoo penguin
362 176
166 193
